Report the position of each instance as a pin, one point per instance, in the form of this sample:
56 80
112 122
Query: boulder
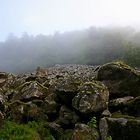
23 112
66 89
121 79
120 128
84 132
133 107
119 103
92 97
67 116
29 91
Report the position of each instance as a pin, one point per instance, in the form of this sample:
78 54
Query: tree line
92 46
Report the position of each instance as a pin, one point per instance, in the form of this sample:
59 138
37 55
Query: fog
48 32
92 46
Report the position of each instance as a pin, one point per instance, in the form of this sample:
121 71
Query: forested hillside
88 46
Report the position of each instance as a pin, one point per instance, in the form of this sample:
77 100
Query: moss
92 87
119 115
121 65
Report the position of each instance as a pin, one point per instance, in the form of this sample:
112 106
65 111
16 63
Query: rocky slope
71 102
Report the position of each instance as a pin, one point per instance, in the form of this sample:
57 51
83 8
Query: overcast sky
48 16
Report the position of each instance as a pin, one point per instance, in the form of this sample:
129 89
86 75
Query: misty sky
48 16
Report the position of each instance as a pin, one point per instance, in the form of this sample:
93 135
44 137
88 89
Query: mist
91 46
48 32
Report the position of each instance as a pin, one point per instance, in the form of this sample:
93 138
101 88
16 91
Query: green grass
30 131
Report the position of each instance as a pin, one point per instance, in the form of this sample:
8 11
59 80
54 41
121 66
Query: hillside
71 102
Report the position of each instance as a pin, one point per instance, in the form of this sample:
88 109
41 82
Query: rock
1 119
6 80
92 97
56 130
41 72
103 127
49 105
23 112
66 89
29 91
84 132
121 79
120 128
67 116
119 103
133 107
106 113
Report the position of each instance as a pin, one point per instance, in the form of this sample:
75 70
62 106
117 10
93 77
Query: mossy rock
29 91
133 107
92 97
121 79
121 127
84 132
66 89
23 112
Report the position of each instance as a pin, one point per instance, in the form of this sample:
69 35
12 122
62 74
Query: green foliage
92 123
30 131
108 138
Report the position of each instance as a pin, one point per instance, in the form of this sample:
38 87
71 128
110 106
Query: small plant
108 138
92 123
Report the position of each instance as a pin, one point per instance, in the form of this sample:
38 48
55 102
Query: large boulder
120 128
92 97
121 79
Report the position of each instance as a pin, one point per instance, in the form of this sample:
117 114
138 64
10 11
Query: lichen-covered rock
84 132
92 97
119 103
121 79
120 128
56 130
6 80
23 112
66 89
29 91
49 104
67 116
106 113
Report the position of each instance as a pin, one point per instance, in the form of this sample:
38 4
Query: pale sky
49 16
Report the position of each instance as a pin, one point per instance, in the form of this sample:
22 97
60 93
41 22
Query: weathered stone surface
119 103
84 132
106 113
67 116
56 130
29 91
66 89
121 79
24 112
49 104
120 128
133 107
92 97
